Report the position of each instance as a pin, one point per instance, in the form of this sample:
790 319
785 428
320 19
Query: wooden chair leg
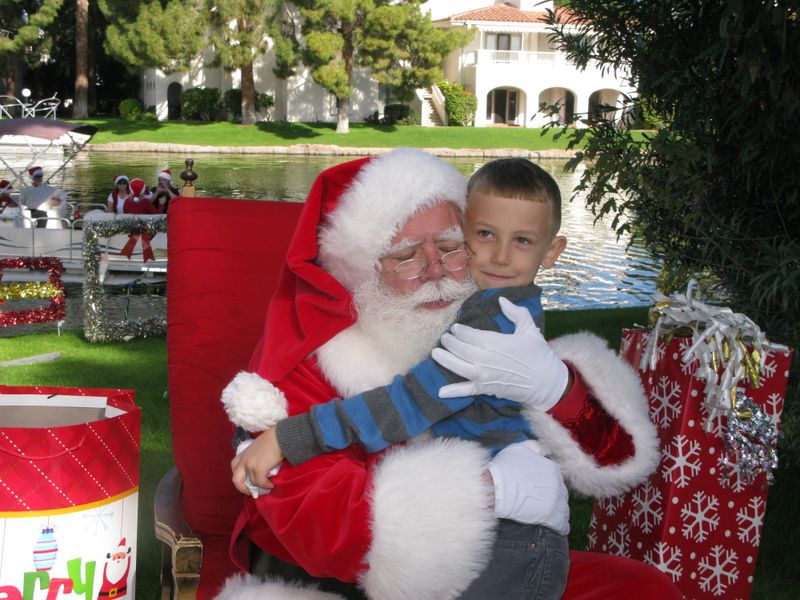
182 553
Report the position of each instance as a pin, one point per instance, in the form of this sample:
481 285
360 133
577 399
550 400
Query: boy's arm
408 406
375 419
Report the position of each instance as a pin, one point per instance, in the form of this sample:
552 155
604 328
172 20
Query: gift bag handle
62 451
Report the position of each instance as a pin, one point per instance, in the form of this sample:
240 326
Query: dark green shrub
130 109
201 104
412 118
264 101
394 113
374 118
232 100
459 104
715 189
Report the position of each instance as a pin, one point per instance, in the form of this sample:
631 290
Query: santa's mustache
440 290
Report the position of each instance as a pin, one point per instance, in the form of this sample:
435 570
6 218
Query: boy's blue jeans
529 562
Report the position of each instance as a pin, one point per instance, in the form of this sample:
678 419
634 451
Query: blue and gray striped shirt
410 404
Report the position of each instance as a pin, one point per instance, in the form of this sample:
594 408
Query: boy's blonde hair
518 178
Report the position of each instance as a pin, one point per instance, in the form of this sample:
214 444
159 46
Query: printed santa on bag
69 482
717 408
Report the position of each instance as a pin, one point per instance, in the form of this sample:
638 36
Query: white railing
518 57
437 98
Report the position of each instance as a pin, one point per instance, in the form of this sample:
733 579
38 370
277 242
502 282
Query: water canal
596 270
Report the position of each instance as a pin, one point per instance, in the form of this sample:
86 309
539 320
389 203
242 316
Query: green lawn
141 365
222 133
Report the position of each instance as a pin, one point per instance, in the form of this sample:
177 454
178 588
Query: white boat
122 256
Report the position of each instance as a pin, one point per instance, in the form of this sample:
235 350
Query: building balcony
520 58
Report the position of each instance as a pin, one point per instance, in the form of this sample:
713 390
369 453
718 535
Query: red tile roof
501 12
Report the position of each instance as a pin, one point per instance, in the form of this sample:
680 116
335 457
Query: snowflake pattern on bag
689 520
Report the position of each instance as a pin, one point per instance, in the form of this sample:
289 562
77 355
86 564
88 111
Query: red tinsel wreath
57 309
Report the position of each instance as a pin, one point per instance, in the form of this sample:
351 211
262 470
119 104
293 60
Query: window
503 41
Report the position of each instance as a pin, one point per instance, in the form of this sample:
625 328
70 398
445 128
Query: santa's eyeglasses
414 268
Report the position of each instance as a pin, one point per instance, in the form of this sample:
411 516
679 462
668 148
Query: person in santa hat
115 572
163 191
138 201
115 202
42 200
10 212
416 521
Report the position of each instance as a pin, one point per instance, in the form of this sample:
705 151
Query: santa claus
416 522
115 572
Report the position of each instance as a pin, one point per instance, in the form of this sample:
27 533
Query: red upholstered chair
224 259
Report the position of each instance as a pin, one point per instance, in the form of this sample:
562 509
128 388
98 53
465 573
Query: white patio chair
45 109
11 108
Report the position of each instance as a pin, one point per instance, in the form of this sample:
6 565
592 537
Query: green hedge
232 100
201 104
459 104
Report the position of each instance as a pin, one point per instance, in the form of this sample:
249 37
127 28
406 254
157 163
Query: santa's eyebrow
454 234
403 244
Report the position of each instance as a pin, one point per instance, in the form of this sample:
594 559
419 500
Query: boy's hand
517 366
251 468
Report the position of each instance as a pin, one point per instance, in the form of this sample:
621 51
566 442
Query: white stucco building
296 99
510 65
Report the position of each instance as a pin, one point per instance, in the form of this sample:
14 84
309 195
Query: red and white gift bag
696 519
69 483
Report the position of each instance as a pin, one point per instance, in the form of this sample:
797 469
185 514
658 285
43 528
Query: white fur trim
432 530
351 347
253 402
616 386
164 175
387 191
119 178
250 587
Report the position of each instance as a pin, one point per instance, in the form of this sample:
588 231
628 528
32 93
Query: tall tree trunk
92 64
248 95
342 122
343 104
81 107
11 80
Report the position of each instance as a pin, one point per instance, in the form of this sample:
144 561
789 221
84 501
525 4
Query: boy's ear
557 246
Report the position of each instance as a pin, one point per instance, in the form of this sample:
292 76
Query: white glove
519 366
529 488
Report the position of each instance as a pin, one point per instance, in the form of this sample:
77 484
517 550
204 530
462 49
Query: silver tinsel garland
96 327
751 442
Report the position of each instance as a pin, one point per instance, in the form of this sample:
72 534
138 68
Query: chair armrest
180 574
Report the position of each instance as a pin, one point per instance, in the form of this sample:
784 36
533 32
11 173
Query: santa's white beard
115 569
397 325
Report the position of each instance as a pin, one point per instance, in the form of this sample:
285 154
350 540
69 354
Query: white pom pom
253 402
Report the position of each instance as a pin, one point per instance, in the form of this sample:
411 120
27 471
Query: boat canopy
44 129
33 138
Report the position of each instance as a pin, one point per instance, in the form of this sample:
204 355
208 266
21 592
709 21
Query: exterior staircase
430 116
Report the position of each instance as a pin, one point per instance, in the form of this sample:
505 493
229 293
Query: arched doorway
174 91
503 106
604 105
565 100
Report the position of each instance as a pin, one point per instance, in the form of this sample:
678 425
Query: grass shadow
294 131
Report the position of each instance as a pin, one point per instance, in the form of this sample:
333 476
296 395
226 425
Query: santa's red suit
411 522
119 587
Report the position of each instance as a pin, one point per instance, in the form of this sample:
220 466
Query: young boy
511 224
